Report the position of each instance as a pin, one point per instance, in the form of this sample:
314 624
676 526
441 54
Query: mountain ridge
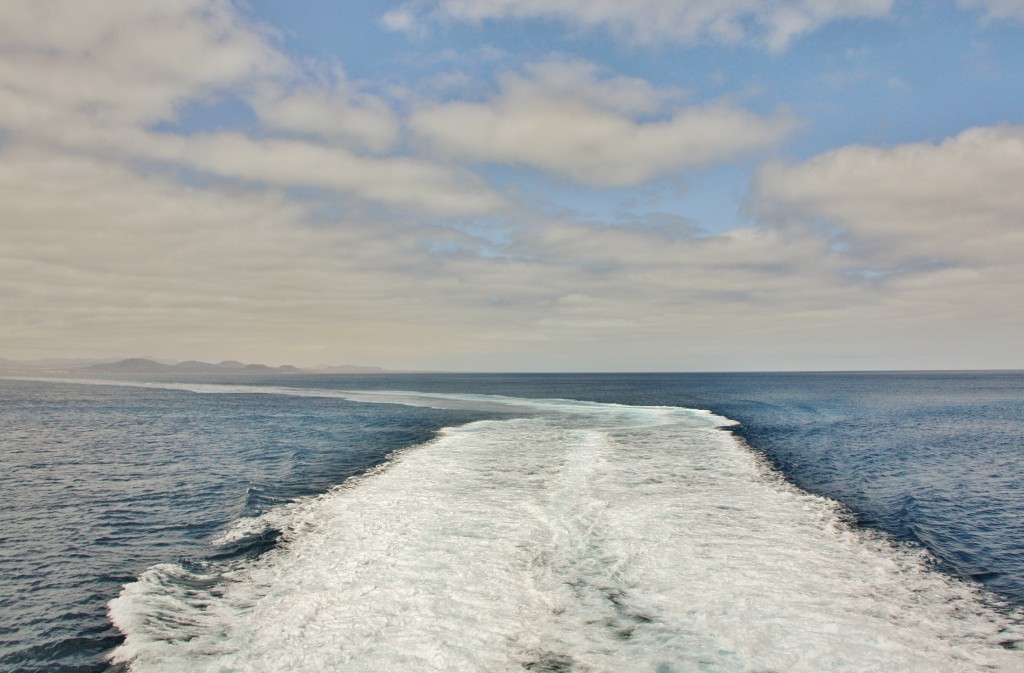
152 366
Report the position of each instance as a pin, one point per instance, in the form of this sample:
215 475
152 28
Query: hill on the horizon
148 366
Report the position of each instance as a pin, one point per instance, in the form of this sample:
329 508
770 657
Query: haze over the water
514 185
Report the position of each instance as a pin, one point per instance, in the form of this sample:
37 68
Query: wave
581 537
584 537
491 403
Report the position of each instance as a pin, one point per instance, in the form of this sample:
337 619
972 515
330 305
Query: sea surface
541 523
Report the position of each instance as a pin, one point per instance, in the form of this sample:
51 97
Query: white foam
408 398
586 537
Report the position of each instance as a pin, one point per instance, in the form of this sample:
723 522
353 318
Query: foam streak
584 537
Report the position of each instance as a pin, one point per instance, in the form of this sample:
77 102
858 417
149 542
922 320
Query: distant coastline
153 366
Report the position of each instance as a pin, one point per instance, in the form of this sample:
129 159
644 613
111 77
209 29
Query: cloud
102 81
564 119
996 9
417 185
583 81
125 231
400 20
769 23
132 63
100 259
330 110
957 202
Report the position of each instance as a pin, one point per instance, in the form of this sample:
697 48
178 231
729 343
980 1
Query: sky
515 185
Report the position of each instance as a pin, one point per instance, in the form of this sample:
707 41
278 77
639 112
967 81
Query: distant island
151 366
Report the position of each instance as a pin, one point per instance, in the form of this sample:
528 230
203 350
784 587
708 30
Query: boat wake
574 537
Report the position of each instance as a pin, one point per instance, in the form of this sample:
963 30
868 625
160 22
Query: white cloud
97 81
401 20
332 110
957 202
563 119
771 23
583 81
107 249
129 63
98 259
403 181
997 9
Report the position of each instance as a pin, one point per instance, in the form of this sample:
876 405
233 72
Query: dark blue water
104 482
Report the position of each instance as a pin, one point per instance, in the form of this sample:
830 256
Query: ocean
540 523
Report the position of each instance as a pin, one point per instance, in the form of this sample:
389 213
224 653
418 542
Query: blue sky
515 184
920 72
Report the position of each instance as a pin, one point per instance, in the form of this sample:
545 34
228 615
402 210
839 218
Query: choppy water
532 534
102 482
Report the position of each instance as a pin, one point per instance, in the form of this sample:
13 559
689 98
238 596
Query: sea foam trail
495 403
585 537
